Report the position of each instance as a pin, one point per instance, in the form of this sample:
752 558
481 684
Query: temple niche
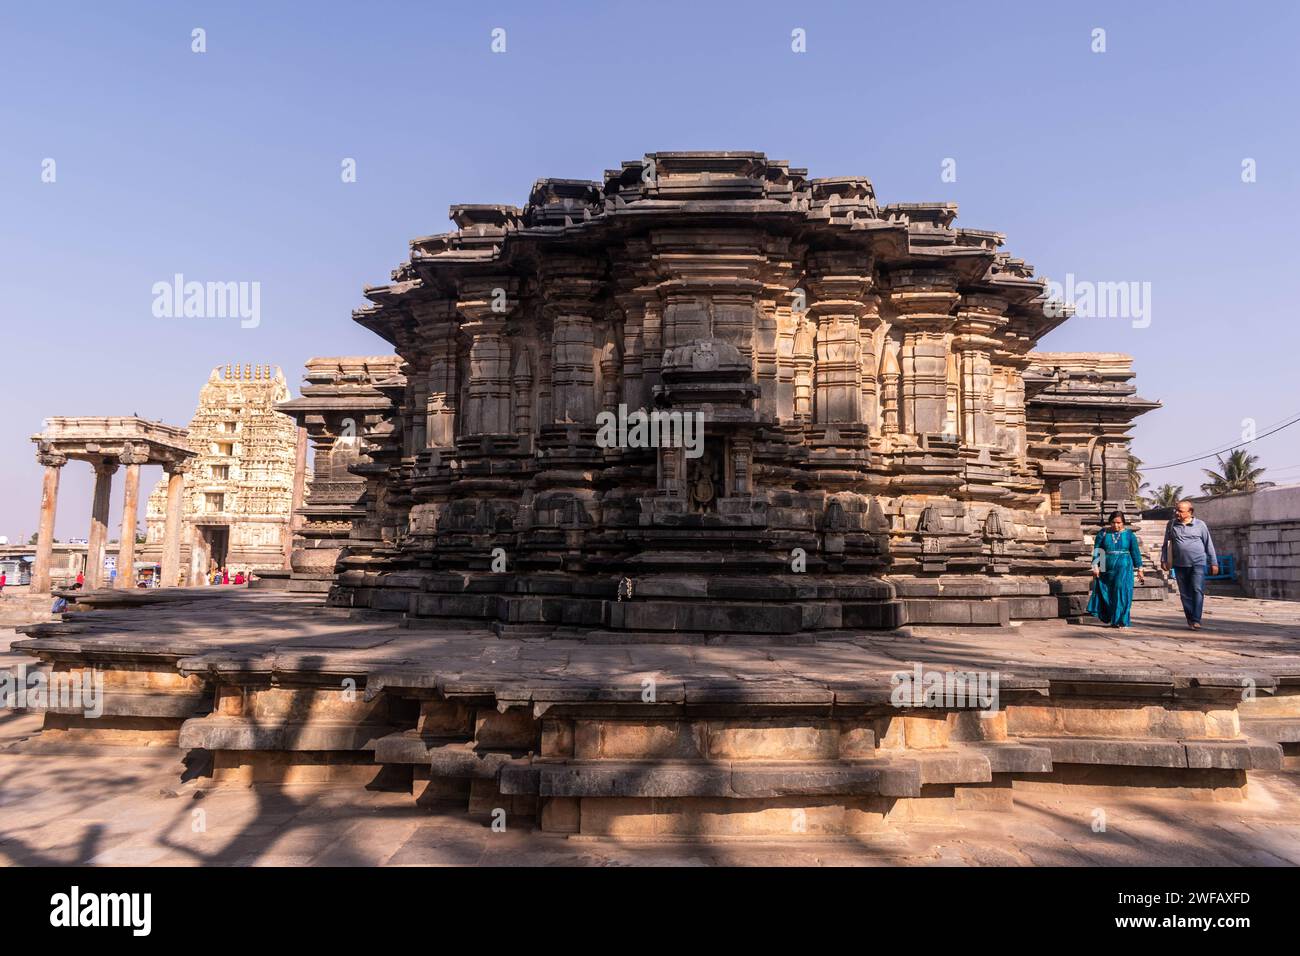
880 443
238 490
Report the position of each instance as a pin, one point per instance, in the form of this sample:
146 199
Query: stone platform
670 741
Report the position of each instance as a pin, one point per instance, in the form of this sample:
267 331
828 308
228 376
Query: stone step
900 774
1240 754
241 733
1280 730
740 779
461 759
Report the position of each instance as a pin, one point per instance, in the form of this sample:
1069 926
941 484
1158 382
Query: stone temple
238 491
880 442
721 631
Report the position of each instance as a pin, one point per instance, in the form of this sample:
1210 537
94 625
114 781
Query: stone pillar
804 360
952 396
437 320
572 371
611 365
789 320
923 301
1009 361
889 375
523 385
98 538
569 287
132 460
633 304
171 549
53 463
485 305
299 496
868 323
838 282
975 337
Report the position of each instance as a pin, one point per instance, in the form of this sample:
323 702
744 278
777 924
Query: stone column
804 360
889 375
53 463
437 320
838 283
923 301
132 459
975 337
633 305
485 306
1009 361
299 496
569 288
98 538
867 325
171 549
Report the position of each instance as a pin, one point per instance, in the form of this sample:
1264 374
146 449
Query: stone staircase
1151 535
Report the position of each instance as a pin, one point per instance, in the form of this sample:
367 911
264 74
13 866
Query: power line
1230 448
1211 451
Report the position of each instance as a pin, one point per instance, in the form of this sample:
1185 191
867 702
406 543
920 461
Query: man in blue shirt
1188 548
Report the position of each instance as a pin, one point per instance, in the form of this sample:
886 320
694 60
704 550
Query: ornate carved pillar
523 385
437 322
838 282
96 541
485 305
952 396
788 322
569 290
132 459
868 323
1009 362
889 401
53 463
923 301
611 360
636 394
175 514
803 371
298 496
975 337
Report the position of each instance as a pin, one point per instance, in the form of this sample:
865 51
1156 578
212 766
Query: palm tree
1236 473
1135 482
1167 496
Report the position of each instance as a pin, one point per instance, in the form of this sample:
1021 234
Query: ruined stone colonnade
108 444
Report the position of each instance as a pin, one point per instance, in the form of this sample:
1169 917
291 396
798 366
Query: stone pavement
282 632
135 807
141 805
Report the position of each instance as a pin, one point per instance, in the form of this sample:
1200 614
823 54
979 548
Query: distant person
3 579
1116 553
1187 549
225 576
81 579
239 577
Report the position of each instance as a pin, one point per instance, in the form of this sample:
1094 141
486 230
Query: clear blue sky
225 165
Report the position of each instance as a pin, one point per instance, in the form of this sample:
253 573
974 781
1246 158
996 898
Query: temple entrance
213 545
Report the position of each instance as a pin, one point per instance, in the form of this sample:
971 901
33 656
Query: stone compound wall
1261 529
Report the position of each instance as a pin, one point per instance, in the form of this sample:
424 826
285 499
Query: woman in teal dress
1115 555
